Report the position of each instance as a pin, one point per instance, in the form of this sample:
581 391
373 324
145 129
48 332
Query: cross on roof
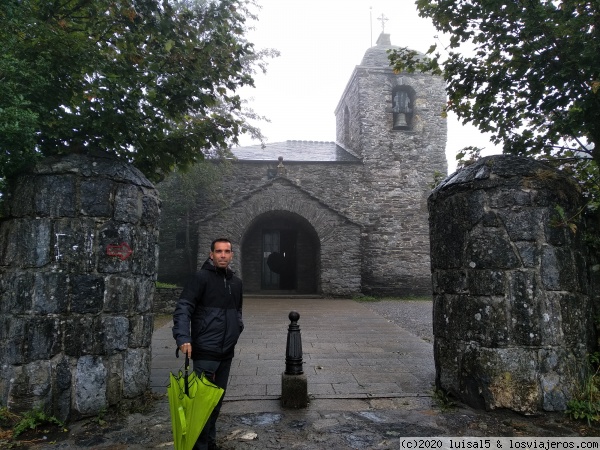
383 20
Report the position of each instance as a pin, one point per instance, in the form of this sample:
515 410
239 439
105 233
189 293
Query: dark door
279 260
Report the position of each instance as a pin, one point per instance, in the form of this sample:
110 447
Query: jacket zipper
225 333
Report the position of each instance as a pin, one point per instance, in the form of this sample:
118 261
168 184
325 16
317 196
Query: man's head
221 253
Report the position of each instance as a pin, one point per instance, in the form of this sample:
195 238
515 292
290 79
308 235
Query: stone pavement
348 352
369 381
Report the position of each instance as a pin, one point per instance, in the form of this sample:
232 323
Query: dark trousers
218 373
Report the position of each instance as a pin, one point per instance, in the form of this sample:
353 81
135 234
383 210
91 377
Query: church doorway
280 254
279 259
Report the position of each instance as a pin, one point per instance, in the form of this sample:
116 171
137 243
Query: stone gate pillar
78 254
512 314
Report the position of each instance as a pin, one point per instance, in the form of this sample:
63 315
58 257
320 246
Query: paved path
348 351
369 381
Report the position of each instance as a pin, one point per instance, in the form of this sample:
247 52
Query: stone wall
77 268
398 170
339 269
513 317
165 300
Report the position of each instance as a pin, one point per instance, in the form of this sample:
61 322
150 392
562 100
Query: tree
152 81
533 81
184 198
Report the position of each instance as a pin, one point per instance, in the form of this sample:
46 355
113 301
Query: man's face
221 255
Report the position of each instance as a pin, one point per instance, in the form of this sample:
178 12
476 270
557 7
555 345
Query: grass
18 429
161 285
443 400
410 298
585 404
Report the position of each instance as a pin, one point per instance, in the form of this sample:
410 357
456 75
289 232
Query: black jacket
210 305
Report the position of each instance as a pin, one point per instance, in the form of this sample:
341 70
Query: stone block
447 357
484 319
557 268
42 338
114 233
90 382
575 311
144 258
509 197
150 208
16 292
114 389
116 330
525 308
136 372
55 196
140 330
30 386
144 295
74 245
50 293
128 204
119 294
12 339
294 391
557 235
84 335
490 248
87 294
447 239
30 243
22 194
61 369
524 225
529 253
96 197
486 282
450 281
501 378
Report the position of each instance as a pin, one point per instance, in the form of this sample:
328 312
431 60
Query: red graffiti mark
122 250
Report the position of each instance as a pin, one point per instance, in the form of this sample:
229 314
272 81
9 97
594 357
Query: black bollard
293 352
294 388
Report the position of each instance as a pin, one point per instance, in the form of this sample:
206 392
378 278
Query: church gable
281 194
313 232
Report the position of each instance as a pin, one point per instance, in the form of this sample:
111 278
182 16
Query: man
207 323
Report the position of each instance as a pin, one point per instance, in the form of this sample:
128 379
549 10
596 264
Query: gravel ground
414 316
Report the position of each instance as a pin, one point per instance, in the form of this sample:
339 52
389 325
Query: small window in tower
402 107
180 240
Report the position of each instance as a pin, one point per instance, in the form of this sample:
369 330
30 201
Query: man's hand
186 349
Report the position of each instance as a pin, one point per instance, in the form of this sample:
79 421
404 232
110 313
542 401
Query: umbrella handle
186 368
187 358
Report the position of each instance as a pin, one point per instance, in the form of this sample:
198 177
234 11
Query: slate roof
300 151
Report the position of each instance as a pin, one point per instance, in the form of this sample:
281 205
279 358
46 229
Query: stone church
333 218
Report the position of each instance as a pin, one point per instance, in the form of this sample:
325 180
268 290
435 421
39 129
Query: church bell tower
394 123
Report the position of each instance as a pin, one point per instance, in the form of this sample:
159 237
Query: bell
400 121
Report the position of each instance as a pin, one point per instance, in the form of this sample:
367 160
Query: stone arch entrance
338 239
281 253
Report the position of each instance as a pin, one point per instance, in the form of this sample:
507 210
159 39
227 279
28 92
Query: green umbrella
191 401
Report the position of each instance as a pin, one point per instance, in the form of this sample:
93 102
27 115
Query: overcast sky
320 43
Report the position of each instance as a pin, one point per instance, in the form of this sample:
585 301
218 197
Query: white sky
320 43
